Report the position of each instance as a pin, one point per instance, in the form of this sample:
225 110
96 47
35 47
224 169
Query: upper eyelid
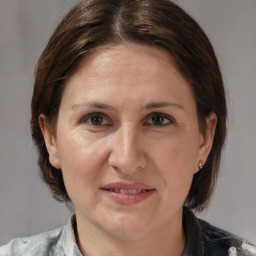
95 114
160 114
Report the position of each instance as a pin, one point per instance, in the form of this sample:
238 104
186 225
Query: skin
147 131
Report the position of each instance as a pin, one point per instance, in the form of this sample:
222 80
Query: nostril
117 169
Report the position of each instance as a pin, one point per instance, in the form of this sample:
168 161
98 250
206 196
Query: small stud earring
200 165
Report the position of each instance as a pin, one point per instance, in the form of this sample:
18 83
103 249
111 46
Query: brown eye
95 119
159 120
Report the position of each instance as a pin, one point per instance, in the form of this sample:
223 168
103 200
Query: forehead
131 56
123 58
126 68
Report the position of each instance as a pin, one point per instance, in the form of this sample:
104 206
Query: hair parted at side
94 23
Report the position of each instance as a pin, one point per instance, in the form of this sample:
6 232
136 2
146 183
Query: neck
169 240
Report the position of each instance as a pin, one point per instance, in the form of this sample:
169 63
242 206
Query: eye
96 119
159 119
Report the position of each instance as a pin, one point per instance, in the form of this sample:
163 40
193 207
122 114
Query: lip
127 199
123 185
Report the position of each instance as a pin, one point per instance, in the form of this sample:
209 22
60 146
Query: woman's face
128 140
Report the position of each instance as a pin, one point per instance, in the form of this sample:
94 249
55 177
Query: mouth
124 193
127 191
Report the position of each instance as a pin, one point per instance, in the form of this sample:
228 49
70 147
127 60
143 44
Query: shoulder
43 244
220 242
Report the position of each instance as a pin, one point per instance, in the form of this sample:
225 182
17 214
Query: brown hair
161 23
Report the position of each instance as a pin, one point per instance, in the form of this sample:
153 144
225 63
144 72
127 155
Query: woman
129 118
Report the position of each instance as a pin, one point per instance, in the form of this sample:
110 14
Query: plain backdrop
26 206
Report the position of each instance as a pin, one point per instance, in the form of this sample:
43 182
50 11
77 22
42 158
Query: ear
207 139
50 141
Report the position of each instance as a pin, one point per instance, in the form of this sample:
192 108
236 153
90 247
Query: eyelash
169 119
103 117
94 115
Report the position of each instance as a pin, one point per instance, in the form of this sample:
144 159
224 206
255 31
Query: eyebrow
154 105
96 105
103 106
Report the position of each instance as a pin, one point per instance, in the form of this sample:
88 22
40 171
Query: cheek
82 159
175 152
77 148
175 160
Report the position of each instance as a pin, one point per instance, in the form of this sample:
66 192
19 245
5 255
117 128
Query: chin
126 227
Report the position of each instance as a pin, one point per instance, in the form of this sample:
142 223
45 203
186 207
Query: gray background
26 207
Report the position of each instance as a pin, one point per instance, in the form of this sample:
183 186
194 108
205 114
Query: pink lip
127 199
122 185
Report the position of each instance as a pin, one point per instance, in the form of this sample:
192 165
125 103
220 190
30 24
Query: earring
200 165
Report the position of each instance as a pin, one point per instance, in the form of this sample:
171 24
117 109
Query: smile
123 193
128 191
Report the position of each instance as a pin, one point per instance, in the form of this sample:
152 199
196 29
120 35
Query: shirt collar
69 239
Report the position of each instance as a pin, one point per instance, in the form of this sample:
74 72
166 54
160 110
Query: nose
127 151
